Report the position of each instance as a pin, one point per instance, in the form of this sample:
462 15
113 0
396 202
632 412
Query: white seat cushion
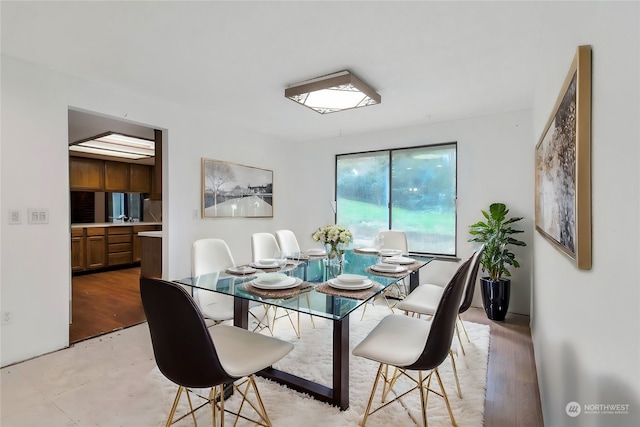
243 353
397 340
422 300
215 306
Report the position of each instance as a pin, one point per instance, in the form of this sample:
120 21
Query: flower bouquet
334 237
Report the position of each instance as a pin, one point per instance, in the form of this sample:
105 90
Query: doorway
108 298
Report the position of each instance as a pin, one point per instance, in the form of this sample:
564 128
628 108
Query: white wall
495 164
35 276
585 324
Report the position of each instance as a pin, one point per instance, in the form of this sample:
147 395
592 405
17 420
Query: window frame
390 152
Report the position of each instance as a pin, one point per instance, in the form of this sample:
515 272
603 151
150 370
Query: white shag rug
311 358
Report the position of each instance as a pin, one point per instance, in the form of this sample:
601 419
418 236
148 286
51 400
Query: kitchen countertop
113 224
150 234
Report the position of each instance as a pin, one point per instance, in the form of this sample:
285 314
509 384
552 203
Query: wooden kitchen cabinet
137 244
96 243
78 257
86 174
139 178
116 177
119 246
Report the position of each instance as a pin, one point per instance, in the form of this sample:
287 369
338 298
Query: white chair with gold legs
195 357
391 240
208 257
288 243
408 344
425 298
265 246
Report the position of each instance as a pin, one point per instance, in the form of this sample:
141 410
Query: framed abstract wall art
563 166
237 191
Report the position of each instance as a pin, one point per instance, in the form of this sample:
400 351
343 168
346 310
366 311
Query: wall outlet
6 318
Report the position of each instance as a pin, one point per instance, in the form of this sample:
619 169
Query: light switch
15 217
38 215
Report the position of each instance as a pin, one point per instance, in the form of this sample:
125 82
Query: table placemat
410 267
277 293
326 288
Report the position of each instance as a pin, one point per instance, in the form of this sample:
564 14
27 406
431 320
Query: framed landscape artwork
563 166
232 190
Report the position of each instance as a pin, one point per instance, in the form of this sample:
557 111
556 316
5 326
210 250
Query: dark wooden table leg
241 313
414 280
341 363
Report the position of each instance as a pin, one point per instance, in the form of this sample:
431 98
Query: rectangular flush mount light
116 145
333 92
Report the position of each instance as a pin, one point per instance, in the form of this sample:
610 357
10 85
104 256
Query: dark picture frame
231 190
563 166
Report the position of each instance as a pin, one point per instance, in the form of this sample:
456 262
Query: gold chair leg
455 373
261 411
423 397
313 324
464 328
459 339
175 405
373 392
446 399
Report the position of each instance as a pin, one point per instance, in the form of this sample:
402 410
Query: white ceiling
430 61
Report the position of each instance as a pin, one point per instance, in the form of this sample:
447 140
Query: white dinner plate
390 252
260 265
389 268
335 283
368 250
241 270
351 278
315 252
399 260
289 282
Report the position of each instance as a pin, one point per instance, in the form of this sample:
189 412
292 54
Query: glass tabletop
311 296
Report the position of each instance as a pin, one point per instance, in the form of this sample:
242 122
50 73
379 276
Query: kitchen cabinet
86 174
116 177
96 248
119 246
78 257
137 244
139 178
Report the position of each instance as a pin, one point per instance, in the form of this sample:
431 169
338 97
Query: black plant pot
495 297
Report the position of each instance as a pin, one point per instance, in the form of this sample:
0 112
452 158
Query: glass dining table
316 298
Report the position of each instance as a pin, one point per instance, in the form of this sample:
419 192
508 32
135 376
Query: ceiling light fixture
333 92
116 145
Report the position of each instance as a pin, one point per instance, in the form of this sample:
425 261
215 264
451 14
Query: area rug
311 359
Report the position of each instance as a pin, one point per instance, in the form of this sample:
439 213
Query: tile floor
86 384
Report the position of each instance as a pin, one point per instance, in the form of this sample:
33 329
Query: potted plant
496 234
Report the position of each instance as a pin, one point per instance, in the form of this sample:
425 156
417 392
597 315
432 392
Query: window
409 189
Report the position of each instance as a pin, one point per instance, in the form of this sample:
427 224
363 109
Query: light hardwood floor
108 301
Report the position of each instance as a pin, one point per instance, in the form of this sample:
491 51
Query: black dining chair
411 344
193 356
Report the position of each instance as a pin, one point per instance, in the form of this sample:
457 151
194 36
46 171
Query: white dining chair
425 298
288 242
209 256
264 246
413 346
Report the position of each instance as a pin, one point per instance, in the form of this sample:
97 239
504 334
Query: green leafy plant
496 233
